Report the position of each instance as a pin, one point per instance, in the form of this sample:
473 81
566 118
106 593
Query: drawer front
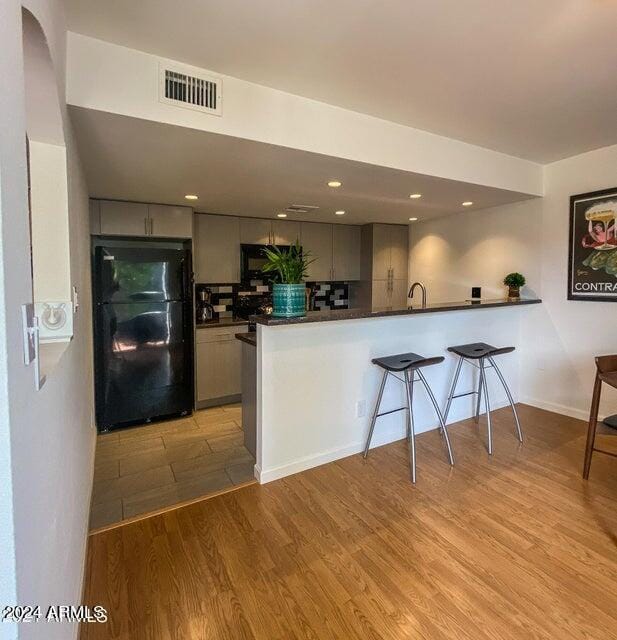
216 334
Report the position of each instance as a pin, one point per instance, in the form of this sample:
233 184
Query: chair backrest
606 364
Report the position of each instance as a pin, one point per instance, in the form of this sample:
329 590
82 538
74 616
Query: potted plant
514 282
290 269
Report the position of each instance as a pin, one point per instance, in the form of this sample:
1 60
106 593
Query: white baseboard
581 414
308 462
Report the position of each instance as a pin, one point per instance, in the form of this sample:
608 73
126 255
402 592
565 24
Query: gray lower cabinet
123 218
216 248
218 366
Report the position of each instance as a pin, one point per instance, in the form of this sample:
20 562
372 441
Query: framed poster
592 265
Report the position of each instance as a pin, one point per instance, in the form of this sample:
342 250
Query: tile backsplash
327 295
330 295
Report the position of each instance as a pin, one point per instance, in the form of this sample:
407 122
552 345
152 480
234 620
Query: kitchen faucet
422 287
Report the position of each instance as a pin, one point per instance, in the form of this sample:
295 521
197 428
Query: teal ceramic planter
288 300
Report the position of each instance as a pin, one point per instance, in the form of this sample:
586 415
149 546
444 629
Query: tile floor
146 468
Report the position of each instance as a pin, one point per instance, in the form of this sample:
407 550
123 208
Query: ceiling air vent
301 208
188 88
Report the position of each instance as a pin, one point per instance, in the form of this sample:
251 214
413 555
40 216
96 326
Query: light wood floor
515 546
146 468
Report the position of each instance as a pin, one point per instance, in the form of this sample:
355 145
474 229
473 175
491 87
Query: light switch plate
28 329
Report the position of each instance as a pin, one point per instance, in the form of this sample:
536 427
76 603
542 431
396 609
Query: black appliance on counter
143 337
252 259
252 303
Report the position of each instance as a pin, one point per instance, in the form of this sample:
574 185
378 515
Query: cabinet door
170 222
398 293
218 368
123 218
380 294
216 249
399 243
255 231
95 217
382 251
346 252
317 239
285 232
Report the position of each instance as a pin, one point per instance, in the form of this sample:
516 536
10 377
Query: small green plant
514 280
290 266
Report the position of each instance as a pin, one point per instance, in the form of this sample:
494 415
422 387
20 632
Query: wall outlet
360 409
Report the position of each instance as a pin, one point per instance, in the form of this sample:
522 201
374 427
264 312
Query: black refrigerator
143 333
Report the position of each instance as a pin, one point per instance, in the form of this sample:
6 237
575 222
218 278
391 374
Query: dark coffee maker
205 310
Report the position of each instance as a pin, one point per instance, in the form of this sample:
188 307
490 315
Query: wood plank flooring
515 546
151 467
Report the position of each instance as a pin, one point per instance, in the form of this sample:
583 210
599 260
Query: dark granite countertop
359 313
250 337
222 322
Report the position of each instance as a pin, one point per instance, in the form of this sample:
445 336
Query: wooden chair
606 371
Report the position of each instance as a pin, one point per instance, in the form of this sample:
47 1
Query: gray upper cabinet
216 248
317 239
285 232
384 266
255 231
390 251
95 217
260 231
170 222
113 218
382 251
346 252
123 218
399 259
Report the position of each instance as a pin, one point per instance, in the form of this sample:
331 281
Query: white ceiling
530 78
131 159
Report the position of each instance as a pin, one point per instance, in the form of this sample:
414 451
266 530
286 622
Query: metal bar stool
482 352
606 371
405 363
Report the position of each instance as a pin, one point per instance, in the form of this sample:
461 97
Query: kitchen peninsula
316 386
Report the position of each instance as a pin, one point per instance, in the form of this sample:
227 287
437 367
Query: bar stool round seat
483 354
477 350
410 365
406 361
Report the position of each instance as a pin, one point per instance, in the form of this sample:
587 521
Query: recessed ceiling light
412 219
335 183
339 213
190 196
281 215
415 196
467 203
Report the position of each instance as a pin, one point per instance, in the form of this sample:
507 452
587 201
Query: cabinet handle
146 226
151 226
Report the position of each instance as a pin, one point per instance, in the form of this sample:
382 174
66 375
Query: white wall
116 79
311 376
477 248
560 337
50 230
46 437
